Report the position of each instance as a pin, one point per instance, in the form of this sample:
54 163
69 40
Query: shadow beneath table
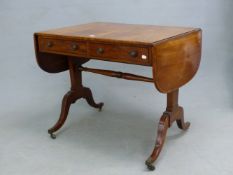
114 134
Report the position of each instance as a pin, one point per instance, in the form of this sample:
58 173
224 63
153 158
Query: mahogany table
173 53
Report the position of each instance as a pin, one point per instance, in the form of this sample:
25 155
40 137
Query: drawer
120 53
62 46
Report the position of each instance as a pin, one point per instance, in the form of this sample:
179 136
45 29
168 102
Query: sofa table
173 53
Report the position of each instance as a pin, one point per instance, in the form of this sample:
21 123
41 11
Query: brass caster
149 165
53 136
100 107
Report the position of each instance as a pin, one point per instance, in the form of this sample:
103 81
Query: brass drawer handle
133 53
50 44
100 50
74 47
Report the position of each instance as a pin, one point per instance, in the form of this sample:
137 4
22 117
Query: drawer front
120 53
69 47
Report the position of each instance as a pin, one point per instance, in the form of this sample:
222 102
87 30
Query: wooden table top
174 53
133 33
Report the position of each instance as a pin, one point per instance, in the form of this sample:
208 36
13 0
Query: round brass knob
74 47
100 50
50 44
133 53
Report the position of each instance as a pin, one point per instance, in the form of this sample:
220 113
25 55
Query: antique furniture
173 53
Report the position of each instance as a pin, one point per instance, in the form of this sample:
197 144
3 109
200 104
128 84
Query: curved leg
173 112
180 122
90 100
161 136
77 91
69 97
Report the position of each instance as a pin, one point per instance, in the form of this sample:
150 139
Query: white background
120 138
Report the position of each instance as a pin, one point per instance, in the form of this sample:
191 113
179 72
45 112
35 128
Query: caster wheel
53 136
101 106
149 165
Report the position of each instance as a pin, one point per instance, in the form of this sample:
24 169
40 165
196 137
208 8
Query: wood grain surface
115 32
173 52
